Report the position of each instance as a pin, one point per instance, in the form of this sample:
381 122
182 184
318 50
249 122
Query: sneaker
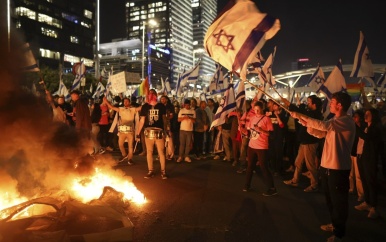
197 157
291 183
327 227
164 176
270 192
149 175
311 189
372 213
101 151
363 207
130 162
241 170
334 239
123 158
179 159
187 159
216 157
234 163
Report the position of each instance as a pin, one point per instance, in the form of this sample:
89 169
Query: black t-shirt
153 115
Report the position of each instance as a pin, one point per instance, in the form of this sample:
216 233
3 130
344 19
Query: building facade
165 27
204 12
58 31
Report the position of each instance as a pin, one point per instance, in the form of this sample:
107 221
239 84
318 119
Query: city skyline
324 32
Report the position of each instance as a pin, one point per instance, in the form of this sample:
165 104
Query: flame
9 199
86 189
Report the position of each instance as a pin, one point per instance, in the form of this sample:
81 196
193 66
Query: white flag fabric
30 63
317 79
99 90
335 82
381 82
240 94
167 85
237 35
63 91
266 73
362 63
227 105
108 85
187 76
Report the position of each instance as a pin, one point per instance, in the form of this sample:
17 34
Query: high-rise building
165 27
204 12
58 31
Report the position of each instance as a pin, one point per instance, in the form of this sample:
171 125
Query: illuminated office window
74 39
22 11
49 20
49 54
49 32
87 14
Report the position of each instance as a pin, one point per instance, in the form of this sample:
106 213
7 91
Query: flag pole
269 83
273 99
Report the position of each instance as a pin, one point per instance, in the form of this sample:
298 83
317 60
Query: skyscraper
169 42
204 12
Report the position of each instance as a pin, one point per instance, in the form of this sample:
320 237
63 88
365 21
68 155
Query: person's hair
375 118
123 99
317 101
259 104
117 99
360 113
343 98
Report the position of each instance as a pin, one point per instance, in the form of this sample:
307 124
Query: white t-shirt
187 124
127 116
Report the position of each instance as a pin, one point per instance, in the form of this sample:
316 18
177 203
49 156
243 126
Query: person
96 114
200 127
276 138
339 133
308 145
125 128
367 159
104 125
152 119
169 135
58 114
236 135
355 178
82 119
209 134
186 117
244 122
259 129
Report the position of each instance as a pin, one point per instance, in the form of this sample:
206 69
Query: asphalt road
203 201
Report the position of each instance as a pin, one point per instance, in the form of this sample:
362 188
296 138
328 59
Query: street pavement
203 201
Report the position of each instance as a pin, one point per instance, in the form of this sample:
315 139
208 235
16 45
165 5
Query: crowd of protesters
265 135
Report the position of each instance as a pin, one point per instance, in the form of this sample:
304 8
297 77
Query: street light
151 22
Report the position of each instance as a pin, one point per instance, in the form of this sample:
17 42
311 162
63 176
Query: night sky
323 31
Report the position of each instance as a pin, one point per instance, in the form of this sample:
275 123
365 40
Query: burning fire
89 188
85 189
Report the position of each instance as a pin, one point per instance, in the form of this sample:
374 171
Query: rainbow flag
354 89
143 88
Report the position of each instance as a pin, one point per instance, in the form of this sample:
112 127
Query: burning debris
51 219
39 156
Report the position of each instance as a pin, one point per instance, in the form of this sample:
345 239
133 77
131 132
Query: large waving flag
317 79
227 105
362 63
30 63
335 82
237 35
354 89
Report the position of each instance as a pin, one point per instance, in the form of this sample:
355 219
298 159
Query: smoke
36 154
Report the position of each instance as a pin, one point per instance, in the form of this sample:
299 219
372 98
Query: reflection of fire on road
39 158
